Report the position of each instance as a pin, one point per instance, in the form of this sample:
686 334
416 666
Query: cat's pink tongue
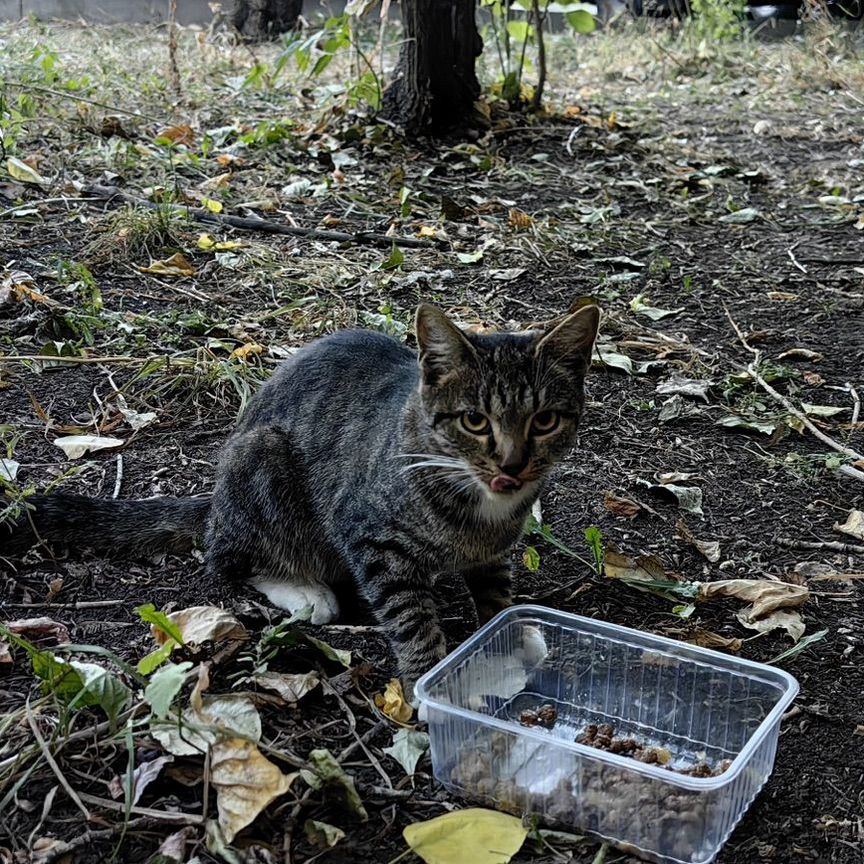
503 482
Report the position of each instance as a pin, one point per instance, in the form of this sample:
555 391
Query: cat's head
502 409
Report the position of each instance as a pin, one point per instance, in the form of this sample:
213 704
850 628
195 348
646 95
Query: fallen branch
829 545
753 371
89 837
254 224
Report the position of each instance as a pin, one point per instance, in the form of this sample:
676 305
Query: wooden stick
830 545
265 227
752 370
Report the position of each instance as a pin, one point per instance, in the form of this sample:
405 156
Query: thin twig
88 837
158 815
753 371
829 545
83 604
118 481
52 763
201 215
173 68
76 98
856 400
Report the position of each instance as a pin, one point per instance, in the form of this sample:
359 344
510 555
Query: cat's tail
106 525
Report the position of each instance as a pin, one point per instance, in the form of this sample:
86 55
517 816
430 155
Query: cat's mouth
506 484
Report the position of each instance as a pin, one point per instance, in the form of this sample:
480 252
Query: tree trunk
264 19
435 85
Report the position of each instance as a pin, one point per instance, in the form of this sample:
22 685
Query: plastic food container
701 710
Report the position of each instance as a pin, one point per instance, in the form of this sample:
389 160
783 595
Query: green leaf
469 257
582 21
407 748
331 653
396 259
106 689
149 614
797 649
521 31
164 687
59 678
333 777
156 658
531 559
322 834
594 538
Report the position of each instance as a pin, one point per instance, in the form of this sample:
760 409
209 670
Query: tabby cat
362 461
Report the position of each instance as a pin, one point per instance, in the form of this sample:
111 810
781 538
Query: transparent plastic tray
699 706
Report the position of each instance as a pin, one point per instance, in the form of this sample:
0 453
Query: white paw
534 649
293 598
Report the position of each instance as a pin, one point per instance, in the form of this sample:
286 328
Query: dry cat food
603 737
545 716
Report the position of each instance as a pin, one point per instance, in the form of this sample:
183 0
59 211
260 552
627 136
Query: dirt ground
628 190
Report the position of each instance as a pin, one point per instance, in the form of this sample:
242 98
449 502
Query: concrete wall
110 11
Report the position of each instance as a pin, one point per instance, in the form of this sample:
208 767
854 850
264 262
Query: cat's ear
443 346
569 344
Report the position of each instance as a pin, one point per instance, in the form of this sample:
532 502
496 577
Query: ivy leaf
407 748
164 686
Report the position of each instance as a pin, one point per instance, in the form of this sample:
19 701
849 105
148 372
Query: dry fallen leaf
199 624
853 526
771 603
392 702
197 728
643 568
178 135
707 639
618 506
709 548
765 595
173 847
177 265
247 350
290 687
20 170
39 628
142 777
75 446
476 835
245 782
518 219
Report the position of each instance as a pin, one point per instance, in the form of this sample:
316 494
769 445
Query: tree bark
264 19
435 84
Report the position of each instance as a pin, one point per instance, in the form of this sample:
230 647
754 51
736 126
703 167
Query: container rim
701 784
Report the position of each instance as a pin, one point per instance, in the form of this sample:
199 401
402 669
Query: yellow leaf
392 702
476 835
211 205
244 351
518 219
177 265
765 595
19 170
245 782
427 231
208 243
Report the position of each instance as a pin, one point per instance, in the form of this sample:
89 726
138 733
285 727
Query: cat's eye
545 422
476 423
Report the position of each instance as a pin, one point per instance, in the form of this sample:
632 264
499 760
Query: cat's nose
513 464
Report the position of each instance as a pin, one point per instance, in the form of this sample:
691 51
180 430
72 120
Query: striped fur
353 464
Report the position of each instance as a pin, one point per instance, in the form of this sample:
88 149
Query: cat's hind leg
261 529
